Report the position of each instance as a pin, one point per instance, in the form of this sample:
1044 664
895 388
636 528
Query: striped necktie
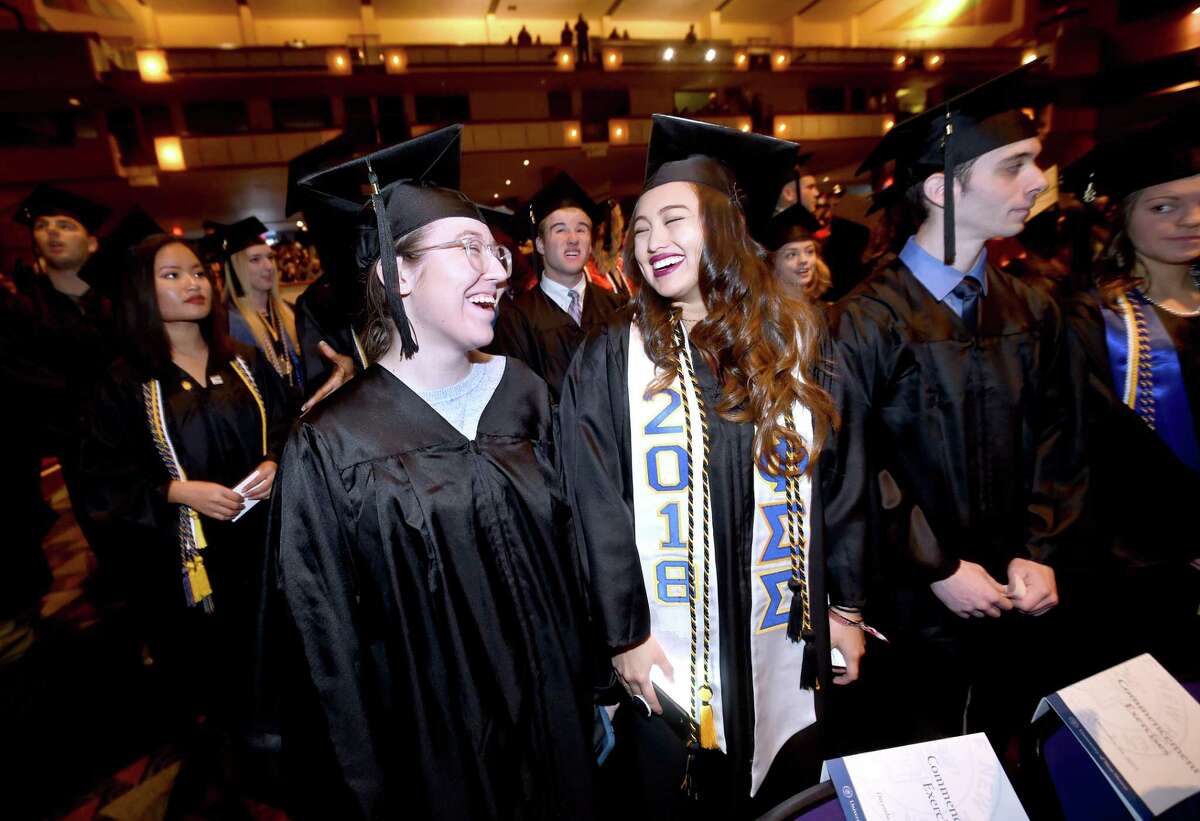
575 307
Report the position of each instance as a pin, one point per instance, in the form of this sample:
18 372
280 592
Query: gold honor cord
196 587
243 371
1138 393
703 732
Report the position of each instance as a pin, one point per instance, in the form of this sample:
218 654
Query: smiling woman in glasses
425 603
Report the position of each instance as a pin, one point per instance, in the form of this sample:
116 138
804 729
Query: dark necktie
968 292
575 306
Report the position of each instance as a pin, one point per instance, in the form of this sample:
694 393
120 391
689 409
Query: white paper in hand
1016 588
241 489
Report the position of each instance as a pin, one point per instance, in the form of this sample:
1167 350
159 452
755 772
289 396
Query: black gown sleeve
123 486
859 359
594 424
326 724
1060 480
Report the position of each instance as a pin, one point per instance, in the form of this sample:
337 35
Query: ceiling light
525 163
710 55
508 182
668 54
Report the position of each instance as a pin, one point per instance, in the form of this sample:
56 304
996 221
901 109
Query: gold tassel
198 578
201 542
708 724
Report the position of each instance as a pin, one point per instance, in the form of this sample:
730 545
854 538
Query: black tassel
690 786
391 271
948 188
795 623
808 665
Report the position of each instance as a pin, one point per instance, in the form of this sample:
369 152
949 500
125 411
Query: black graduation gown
217 435
977 431
978 434
427 617
535 330
1138 493
597 469
73 341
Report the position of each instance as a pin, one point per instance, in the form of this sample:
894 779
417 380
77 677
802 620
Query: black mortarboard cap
237 236
332 231
792 224
949 134
105 269
408 186
326 155
1165 151
749 168
240 235
46 200
500 220
560 192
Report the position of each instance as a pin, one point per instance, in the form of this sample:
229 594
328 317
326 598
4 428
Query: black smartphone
677 718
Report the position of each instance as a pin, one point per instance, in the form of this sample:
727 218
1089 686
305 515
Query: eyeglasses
475 250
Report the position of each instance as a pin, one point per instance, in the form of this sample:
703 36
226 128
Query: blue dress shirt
941 279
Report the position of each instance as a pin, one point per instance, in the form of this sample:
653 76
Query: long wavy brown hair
756 337
1116 265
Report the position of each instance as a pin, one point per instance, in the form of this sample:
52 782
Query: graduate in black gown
1137 339
424 633
951 376
545 325
60 329
258 314
73 322
705 555
179 422
791 239
328 309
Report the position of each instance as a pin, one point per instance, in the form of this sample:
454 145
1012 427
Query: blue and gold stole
196 587
671 490
1145 368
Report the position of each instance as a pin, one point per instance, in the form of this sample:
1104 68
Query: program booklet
1140 727
956 777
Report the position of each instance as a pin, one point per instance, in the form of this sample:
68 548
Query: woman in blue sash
1137 343
688 429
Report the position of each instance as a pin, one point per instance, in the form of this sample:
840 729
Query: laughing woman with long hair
690 429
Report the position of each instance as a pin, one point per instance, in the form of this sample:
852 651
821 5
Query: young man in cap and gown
951 376
545 325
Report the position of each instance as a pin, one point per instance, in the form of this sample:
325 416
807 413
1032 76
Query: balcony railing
607 55
250 149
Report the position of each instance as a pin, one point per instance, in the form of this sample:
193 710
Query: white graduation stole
660 477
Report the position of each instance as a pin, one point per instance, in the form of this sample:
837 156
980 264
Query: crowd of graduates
733 484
